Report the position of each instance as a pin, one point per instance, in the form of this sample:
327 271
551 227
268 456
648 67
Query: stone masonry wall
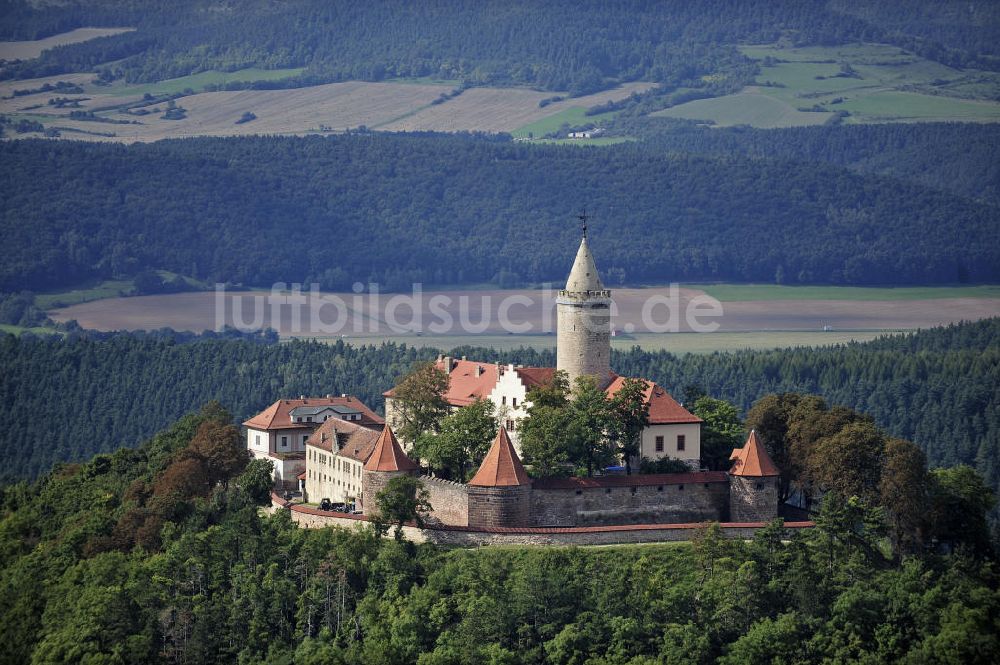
449 501
651 504
753 499
311 518
499 506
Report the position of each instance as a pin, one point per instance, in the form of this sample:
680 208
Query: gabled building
672 432
279 432
335 457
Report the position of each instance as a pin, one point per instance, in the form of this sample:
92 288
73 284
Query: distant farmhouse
337 449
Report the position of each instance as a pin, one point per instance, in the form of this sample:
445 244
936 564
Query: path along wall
312 518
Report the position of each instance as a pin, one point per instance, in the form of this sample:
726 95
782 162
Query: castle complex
337 449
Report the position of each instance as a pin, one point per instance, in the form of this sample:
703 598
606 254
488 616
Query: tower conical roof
388 456
501 467
752 459
583 276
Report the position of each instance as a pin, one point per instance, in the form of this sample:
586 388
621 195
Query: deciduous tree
419 399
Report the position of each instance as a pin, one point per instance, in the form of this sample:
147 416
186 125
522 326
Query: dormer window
309 419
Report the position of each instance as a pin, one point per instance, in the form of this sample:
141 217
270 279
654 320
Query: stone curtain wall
311 518
449 501
753 499
650 504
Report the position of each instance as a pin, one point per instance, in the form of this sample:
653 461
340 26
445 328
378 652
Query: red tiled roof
501 467
752 460
663 409
468 381
345 438
277 416
388 456
639 480
535 376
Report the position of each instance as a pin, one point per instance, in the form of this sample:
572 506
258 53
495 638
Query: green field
426 80
96 291
745 292
197 82
871 82
573 116
111 288
17 330
746 108
600 140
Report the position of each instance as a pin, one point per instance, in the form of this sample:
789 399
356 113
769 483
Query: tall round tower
584 322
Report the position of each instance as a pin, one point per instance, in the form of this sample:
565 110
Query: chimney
329 396
479 370
446 361
345 395
302 396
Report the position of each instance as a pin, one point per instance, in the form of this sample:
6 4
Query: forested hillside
955 157
160 555
478 42
399 209
70 399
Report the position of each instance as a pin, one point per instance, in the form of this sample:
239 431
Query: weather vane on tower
583 217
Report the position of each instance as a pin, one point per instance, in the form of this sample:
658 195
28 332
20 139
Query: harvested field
641 316
500 109
32 49
329 107
337 106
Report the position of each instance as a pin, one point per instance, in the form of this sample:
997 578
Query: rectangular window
659 444
680 442
257 440
284 441
503 399
309 419
513 402
304 438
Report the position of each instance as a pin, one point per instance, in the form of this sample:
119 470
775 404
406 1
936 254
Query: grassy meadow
870 82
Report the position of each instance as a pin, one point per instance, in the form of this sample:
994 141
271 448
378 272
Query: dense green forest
938 388
598 43
453 209
956 157
160 555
